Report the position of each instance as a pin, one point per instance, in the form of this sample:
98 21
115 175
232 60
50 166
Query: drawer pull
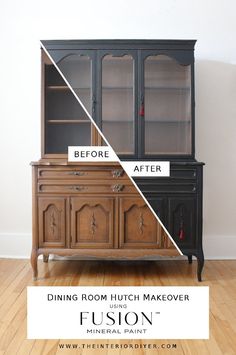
117 188
181 234
194 189
78 188
117 173
141 223
93 224
77 173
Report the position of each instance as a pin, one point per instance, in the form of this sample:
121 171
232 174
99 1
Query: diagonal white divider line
104 138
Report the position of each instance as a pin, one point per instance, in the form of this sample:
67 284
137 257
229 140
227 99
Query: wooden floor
15 275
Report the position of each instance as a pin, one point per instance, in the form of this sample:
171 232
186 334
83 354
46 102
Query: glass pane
167 87
118 102
77 70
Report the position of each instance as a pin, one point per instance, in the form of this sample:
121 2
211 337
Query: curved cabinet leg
200 264
190 259
45 258
34 263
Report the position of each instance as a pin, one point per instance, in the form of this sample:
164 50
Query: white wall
211 22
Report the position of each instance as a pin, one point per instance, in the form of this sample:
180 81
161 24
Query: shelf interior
60 136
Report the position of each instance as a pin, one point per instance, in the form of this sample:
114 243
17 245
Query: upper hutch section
140 93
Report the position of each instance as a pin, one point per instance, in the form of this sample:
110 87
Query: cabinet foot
45 258
190 259
34 264
200 264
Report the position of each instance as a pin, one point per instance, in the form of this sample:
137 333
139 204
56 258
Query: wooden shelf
68 121
171 88
117 88
57 87
168 121
179 88
64 88
149 121
111 88
117 121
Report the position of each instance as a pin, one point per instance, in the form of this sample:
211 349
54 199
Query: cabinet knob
117 188
117 173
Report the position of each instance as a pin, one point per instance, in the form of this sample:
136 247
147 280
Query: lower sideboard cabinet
177 200
92 211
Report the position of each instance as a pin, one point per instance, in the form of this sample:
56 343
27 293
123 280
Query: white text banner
118 312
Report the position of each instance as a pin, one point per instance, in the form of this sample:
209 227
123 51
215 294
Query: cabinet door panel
118 91
159 205
166 104
78 67
52 222
138 226
182 221
92 222
65 121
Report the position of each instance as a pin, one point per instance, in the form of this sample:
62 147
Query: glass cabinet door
66 122
77 69
117 101
166 107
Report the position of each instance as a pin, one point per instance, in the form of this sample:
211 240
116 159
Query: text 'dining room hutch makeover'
140 93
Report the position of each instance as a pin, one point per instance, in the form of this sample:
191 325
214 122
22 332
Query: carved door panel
159 206
182 221
52 222
138 226
92 222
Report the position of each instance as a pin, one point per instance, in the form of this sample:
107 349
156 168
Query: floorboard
16 275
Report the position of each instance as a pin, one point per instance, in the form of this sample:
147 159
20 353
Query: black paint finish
119 44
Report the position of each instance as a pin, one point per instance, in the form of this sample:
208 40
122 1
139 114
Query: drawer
182 187
82 172
85 187
177 173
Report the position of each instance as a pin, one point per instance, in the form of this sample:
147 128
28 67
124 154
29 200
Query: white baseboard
219 247
18 246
